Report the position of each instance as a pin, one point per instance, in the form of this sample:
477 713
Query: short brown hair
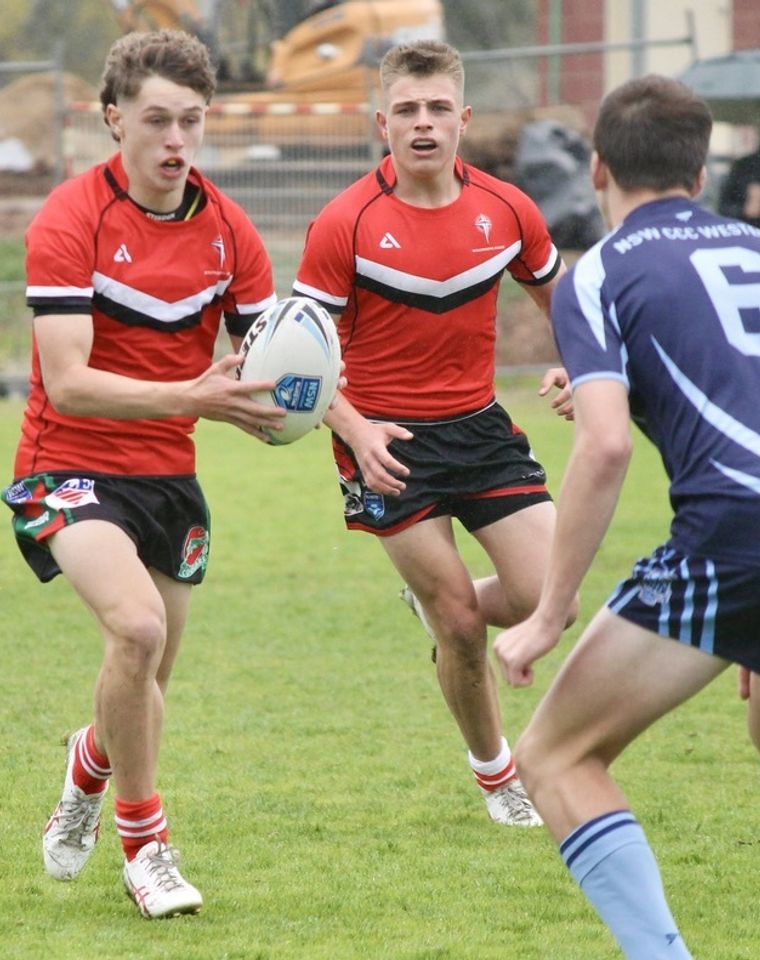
423 58
172 54
653 132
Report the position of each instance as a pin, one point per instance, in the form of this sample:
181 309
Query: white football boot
155 884
510 805
73 827
418 610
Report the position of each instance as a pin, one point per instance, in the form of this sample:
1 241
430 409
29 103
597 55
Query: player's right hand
381 471
215 395
517 649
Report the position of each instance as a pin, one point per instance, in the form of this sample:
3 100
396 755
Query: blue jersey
669 304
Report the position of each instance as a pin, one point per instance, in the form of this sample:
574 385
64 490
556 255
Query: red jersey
417 288
156 291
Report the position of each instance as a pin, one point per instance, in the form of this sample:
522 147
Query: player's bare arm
555 377
369 440
78 389
590 489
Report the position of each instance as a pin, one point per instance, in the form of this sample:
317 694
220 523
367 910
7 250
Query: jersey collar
386 173
116 177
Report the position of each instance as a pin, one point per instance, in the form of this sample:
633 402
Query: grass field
313 778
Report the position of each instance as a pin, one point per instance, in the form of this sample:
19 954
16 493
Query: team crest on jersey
218 244
194 552
374 504
76 492
484 224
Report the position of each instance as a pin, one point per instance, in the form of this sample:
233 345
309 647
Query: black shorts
166 517
708 604
478 468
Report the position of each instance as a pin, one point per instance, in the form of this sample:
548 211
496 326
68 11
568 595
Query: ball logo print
295 345
298 393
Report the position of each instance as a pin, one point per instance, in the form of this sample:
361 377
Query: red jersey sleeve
327 270
252 288
60 255
538 260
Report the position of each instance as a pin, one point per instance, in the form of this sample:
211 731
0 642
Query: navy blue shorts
708 604
478 468
166 517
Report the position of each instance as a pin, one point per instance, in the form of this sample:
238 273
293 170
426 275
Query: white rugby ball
295 344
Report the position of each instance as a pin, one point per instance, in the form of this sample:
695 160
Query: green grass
313 778
11 258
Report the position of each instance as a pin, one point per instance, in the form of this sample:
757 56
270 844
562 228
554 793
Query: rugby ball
295 344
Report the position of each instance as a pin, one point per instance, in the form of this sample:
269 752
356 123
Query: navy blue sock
610 859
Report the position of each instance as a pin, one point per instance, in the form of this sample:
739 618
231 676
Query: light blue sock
611 861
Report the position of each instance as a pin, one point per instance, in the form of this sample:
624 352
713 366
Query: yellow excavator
317 48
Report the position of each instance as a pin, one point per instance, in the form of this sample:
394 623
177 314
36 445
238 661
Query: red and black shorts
166 517
478 468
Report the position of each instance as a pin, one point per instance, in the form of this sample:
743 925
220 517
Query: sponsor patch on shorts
72 493
194 552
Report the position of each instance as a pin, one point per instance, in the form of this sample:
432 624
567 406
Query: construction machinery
297 46
292 122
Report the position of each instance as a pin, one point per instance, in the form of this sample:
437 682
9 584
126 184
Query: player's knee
136 637
462 632
534 761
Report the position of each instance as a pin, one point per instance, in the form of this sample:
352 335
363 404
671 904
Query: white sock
492 774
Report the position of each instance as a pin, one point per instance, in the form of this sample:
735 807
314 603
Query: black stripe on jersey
119 192
546 277
44 306
135 318
383 183
422 301
237 324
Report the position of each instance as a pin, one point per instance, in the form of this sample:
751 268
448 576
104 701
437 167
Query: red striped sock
91 770
140 822
492 774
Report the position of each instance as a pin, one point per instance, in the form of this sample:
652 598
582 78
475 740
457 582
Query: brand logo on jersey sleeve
122 255
484 224
389 242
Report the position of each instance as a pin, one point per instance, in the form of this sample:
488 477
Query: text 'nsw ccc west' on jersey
669 304
417 288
